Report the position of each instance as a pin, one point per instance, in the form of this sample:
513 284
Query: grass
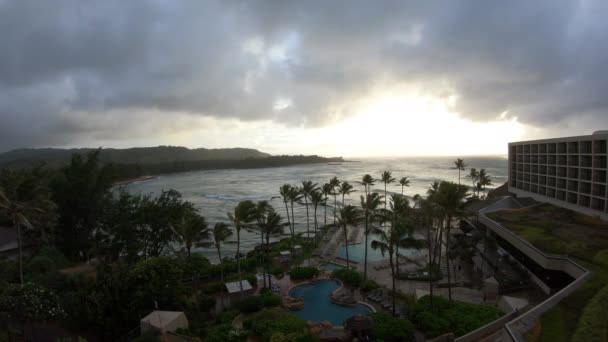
561 231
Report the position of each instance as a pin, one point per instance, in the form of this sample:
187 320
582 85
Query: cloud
84 72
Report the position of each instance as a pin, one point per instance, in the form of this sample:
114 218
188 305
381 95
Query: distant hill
139 155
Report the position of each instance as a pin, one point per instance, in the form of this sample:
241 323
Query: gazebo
234 289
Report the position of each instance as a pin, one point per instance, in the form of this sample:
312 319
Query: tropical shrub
257 303
445 316
300 273
271 322
369 285
348 277
31 302
388 328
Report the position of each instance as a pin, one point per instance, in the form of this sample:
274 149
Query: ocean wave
223 197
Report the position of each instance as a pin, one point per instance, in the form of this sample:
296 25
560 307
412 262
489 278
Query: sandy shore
133 180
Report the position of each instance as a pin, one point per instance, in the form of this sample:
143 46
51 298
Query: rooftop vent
603 132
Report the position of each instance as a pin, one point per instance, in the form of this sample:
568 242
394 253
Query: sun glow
395 126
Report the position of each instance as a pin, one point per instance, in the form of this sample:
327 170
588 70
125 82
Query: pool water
356 252
330 266
318 307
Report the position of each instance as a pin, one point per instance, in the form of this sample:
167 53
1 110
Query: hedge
593 324
388 328
257 303
300 273
445 316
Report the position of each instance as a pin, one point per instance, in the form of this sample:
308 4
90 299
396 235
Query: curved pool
318 306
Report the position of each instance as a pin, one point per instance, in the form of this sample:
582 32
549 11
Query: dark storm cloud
66 64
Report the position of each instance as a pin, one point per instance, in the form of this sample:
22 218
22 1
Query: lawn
584 239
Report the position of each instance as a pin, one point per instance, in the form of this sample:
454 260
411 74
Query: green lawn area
584 239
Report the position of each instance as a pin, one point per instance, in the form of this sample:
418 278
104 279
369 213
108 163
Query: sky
334 78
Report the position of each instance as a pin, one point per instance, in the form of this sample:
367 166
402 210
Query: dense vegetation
102 258
390 329
444 316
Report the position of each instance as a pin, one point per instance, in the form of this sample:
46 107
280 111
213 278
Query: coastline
134 180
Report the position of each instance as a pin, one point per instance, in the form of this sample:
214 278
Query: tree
191 231
459 165
294 196
450 198
367 181
369 204
241 218
326 189
24 198
307 188
483 180
474 176
285 191
386 178
316 198
272 226
403 182
334 182
261 210
424 218
349 215
158 216
221 233
345 189
398 234
82 191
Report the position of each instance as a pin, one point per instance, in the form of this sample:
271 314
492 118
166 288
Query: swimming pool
331 266
318 307
356 252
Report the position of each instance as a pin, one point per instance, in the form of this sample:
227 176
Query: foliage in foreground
445 316
388 328
276 323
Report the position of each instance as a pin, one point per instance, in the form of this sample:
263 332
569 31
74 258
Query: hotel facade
570 172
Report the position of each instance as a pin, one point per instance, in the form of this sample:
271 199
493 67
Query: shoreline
134 180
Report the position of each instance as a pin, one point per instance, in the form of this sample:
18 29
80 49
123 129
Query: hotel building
569 172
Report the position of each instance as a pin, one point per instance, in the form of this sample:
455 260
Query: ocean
215 192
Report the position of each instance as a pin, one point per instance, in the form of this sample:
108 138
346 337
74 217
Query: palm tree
191 231
241 218
385 241
424 217
369 205
307 188
262 208
459 165
316 198
294 196
474 175
349 215
403 182
386 178
326 189
367 181
345 189
334 183
450 198
272 226
23 198
285 191
221 232
484 180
